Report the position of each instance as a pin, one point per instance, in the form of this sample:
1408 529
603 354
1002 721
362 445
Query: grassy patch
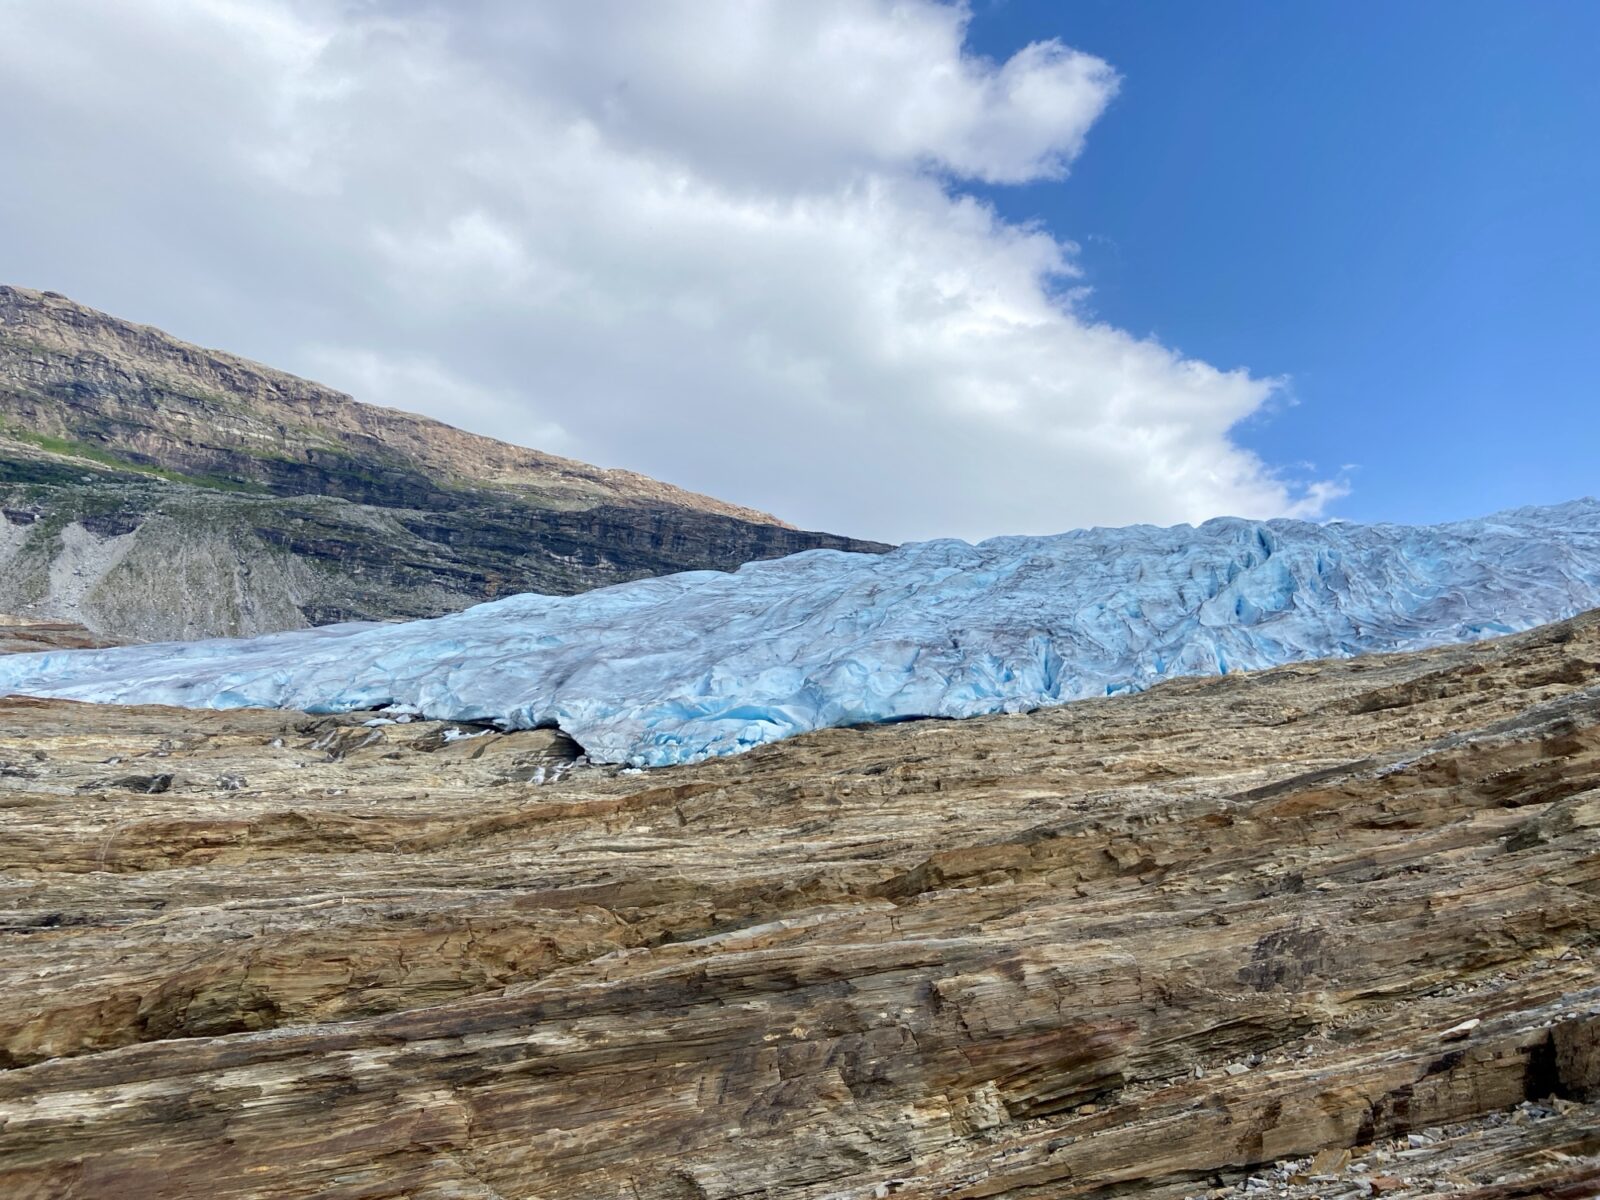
67 448
21 343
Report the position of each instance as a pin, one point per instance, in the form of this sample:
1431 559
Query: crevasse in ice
704 663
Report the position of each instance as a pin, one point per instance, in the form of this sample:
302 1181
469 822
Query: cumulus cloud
725 244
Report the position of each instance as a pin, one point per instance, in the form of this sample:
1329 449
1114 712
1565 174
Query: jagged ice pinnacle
703 663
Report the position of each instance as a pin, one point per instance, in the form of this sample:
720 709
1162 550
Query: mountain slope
151 488
671 670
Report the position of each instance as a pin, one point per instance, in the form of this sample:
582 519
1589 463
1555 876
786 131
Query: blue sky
1396 205
734 245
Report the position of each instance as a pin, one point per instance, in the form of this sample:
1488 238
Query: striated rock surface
154 489
1327 930
25 635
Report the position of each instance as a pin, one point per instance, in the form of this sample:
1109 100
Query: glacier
704 663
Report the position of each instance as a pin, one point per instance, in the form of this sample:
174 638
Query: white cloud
413 383
725 244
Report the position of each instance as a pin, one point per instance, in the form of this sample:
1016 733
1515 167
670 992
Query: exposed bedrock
1155 944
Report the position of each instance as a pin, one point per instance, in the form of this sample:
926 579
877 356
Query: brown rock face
1328 930
154 489
22 635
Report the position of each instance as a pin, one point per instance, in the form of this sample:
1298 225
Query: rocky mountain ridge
154 489
1328 930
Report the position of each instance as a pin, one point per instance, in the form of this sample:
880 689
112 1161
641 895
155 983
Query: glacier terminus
683 667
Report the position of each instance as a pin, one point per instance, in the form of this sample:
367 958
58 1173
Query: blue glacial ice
705 663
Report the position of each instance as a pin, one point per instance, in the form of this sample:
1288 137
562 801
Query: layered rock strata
1204 939
25 635
153 489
